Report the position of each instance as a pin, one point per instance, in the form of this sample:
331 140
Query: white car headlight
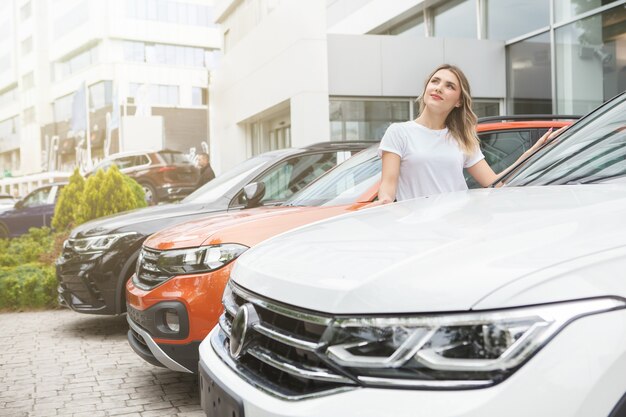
95 243
450 350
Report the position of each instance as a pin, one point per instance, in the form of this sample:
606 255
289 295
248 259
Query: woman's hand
547 137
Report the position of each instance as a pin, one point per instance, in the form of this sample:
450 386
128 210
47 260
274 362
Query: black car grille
286 355
148 274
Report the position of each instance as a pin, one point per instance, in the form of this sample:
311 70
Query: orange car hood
246 227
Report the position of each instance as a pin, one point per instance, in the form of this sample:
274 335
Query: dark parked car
164 175
34 210
6 202
100 256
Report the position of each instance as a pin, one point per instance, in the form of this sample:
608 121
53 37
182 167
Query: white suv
486 303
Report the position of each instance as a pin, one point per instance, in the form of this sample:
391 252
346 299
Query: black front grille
148 274
286 355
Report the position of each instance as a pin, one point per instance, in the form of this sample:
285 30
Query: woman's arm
484 175
389 180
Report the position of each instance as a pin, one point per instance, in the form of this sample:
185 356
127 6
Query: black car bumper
94 283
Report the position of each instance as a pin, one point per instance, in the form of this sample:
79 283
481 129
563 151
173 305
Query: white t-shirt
431 161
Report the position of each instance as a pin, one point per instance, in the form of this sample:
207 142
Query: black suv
99 256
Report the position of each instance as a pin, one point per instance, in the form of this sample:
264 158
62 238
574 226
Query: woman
427 155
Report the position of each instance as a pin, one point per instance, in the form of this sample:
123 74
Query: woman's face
443 92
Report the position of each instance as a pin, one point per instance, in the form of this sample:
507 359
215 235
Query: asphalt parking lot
65 363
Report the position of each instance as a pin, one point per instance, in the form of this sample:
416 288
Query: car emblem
240 337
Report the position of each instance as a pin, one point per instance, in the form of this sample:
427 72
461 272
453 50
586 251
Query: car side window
290 176
141 160
125 162
501 149
37 198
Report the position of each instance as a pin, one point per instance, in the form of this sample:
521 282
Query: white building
296 72
49 48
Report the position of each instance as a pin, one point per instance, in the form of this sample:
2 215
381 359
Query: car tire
4 232
151 195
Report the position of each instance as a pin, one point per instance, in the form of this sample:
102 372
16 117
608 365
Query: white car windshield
591 151
343 184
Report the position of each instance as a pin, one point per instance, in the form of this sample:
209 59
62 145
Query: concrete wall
282 59
392 66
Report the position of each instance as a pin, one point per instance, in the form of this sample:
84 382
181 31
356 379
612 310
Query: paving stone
61 363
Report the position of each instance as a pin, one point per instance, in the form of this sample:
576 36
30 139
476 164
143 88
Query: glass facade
590 61
352 119
529 87
455 19
508 19
159 53
170 11
567 9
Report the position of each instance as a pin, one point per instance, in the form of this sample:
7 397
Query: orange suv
174 299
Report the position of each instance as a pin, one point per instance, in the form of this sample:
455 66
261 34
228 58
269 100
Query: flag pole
88 128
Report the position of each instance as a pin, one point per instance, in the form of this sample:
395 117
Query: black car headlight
96 243
189 261
449 350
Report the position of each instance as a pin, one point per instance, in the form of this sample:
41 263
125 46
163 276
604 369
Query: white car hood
452 252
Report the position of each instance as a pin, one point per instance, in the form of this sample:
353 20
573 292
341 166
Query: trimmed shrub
28 286
27 248
66 209
109 193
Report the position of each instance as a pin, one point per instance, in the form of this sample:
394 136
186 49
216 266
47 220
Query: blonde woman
427 155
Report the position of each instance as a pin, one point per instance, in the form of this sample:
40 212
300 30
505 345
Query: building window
28 81
365 119
508 19
170 11
75 63
26 11
486 107
100 94
29 115
9 127
199 96
62 108
159 53
590 63
566 9
161 95
5 62
529 88
71 20
455 19
8 96
27 46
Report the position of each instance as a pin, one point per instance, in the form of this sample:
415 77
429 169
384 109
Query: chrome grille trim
279 308
224 325
294 368
148 275
285 357
218 343
286 338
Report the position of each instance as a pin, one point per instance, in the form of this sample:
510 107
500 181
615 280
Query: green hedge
28 286
27 272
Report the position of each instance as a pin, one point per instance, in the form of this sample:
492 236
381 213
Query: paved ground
65 363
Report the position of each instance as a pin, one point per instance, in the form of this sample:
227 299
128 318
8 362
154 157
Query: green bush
30 285
66 209
109 193
27 272
27 248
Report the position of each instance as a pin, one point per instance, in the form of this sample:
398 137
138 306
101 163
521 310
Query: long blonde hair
461 121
